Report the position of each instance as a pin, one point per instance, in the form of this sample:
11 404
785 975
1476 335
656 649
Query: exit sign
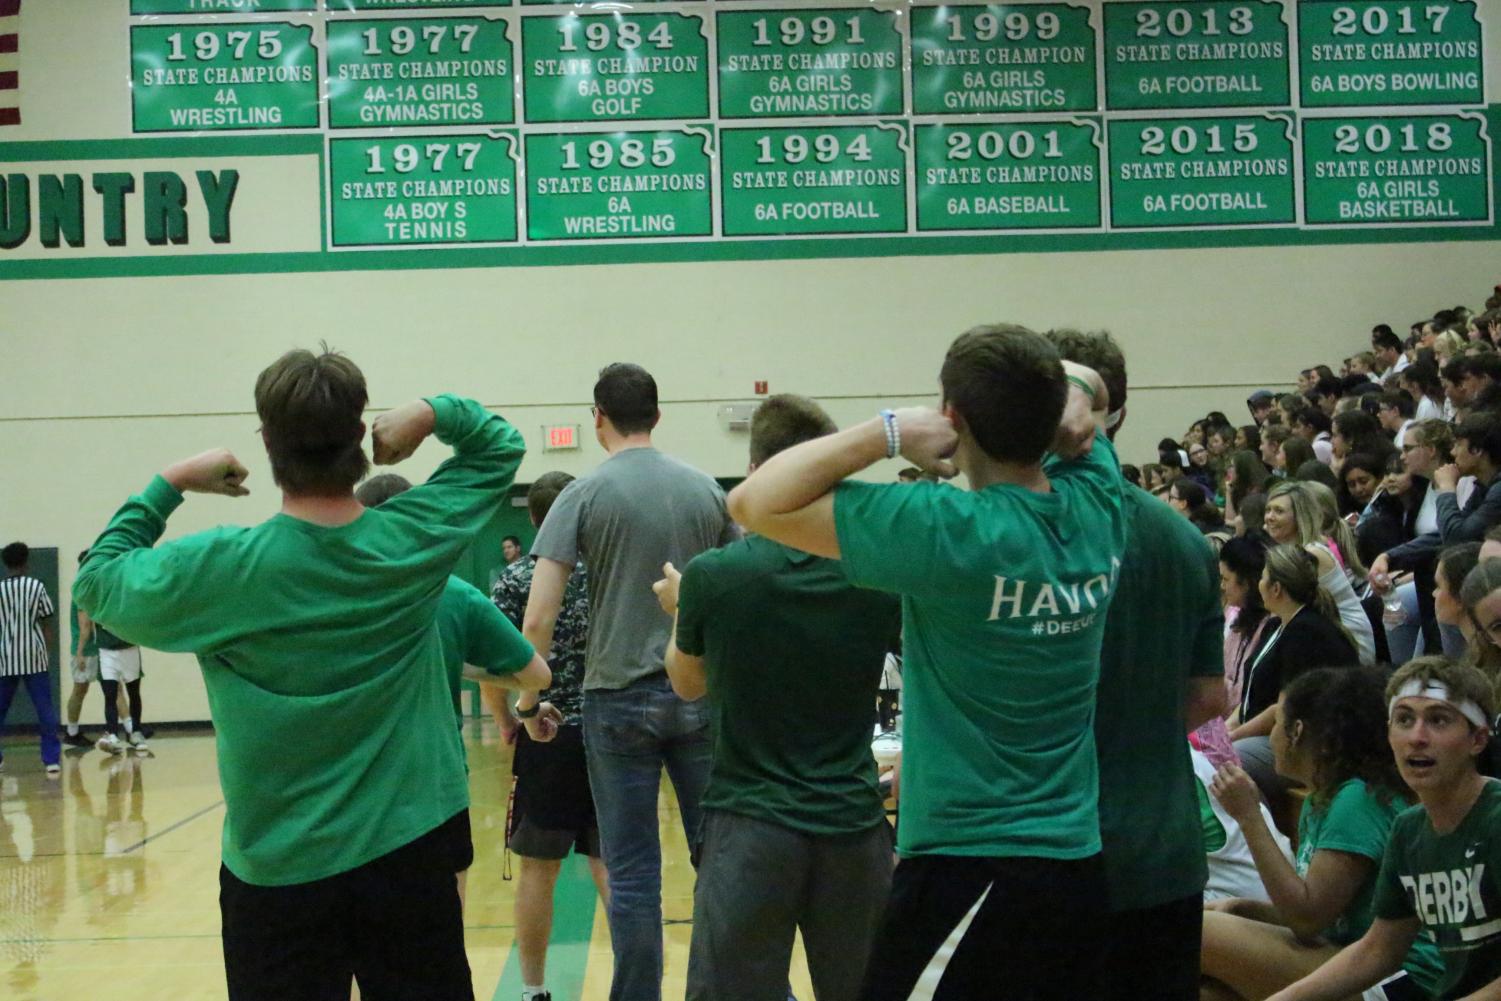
559 437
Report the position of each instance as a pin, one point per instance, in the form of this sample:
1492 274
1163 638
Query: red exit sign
559 437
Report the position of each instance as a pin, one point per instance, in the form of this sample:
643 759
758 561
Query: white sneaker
111 743
137 741
53 770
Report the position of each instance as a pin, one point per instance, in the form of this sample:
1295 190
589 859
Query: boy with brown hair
1441 875
340 764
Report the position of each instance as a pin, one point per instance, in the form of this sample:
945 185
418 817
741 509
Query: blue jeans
1405 641
39 688
629 735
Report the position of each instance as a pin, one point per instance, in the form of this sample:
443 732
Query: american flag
10 62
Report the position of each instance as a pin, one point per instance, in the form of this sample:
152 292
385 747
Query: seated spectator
1477 453
1242 561
1330 737
1260 404
1480 597
1292 454
1363 363
1386 346
1232 869
1172 455
1441 875
1252 516
1314 471
1382 514
1154 475
1306 634
1446 347
1244 475
1425 448
1131 474
1359 481
1422 382
1357 431
1325 394
1454 565
1248 439
1199 469
1304 514
1189 499
1395 413
1290 405
1314 426
1219 441
1272 437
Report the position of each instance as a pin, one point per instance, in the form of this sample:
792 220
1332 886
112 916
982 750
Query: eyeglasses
593 411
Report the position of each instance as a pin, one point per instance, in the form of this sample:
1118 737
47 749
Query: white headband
1439 692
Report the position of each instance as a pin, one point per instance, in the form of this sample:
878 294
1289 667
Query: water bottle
1393 613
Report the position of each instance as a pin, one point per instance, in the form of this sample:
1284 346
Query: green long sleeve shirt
319 652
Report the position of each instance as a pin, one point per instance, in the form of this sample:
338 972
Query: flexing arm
1376 955
139 590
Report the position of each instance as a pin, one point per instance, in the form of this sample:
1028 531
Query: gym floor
109 880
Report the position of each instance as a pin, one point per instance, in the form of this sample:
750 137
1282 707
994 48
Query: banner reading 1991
742 123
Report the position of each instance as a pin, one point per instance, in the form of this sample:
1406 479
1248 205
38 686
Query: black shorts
1153 952
460 841
553 811
394 924
959 929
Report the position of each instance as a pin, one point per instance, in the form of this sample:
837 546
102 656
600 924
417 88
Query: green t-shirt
472 630
793 655
319 652
1004 593
1164 627
91 648
1452 884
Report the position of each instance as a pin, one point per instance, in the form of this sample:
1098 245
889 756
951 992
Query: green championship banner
272 135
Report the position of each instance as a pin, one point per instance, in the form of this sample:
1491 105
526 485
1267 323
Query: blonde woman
1306 514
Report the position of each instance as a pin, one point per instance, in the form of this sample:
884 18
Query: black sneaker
77 740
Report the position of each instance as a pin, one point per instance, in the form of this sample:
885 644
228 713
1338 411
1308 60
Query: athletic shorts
553 810
85 669
960 929
120 665
458 841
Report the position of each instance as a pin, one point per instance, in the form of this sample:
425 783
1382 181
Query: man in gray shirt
638 510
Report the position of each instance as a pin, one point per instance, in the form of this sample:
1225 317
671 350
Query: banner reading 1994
738 125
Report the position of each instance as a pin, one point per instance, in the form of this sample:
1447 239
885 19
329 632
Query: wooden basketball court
109 881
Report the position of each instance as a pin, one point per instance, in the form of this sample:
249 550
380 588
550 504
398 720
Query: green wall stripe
751 250
291 144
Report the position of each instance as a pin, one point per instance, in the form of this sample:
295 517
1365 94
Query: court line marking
168 830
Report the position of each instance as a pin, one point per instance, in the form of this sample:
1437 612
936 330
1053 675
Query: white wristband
893 434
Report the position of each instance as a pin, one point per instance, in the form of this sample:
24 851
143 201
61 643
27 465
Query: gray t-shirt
638 510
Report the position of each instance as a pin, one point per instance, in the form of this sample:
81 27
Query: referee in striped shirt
26 625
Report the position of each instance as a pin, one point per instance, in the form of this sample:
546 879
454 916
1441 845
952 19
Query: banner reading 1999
479 123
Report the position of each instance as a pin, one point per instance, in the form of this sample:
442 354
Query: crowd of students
1066 658
1357 524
